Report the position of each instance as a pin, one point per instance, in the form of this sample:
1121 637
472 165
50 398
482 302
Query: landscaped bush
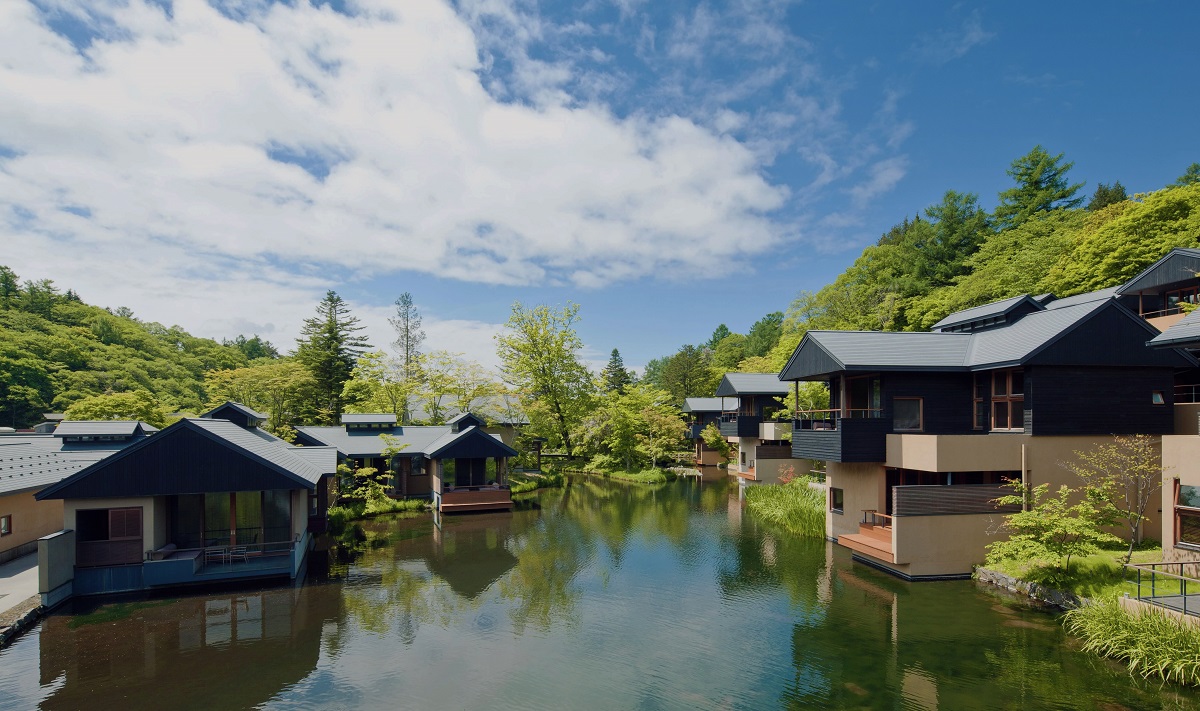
646 476
1154 644
795 506
524 483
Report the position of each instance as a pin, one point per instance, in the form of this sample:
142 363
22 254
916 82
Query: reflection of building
203 501
702 412
29 462
923 428
459 464
256 645
471 553
751 401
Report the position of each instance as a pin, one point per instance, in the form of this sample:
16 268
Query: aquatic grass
794 506
1154 644
645 476
531 481
114 612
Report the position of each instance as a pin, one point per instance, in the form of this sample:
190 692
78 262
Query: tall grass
794 506
1154 644
521 483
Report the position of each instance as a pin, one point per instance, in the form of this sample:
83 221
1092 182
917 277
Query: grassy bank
339 516
524 482
645 476
1153 644
1096 575
795 506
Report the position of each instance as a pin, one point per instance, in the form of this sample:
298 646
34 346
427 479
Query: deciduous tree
1126 475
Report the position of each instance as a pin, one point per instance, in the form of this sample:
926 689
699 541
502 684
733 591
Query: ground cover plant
1154 644
794 505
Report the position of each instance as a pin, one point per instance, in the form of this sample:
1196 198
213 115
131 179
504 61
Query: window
1187 514
906 414
836 500
5 525
1008 400
979 399
1157 398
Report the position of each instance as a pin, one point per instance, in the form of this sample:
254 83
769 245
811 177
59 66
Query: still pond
597 596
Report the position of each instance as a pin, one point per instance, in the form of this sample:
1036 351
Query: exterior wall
31 519
956 453
769 471
1162 323
708 457
1180 461
1187 418
299 513
154 519
1062 400
863 487
942 545
745 455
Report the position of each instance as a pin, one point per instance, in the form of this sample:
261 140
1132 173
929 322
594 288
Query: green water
599 596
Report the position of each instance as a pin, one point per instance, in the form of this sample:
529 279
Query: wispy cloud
950 44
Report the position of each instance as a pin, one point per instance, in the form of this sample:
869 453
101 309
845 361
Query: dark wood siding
177 461
807 360
1097 401
946 399
1112 337
856 440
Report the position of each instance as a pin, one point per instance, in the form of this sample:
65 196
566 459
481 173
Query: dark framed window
837 501
5 525
907 414
979 402
1187 514
1008 400
1158 398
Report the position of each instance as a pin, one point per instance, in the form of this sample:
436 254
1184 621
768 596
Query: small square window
5 525
1158 398
836 500
906 414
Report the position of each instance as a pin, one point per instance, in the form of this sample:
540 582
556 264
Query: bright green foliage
253 348
449 384
1041 186
795 506
282 389
1125 477
1054 526
615 376
1191 176
959 226
729 351
720 333
1138 235
409 337
633 429
764 334
1106 195
712 437
377 384
539 352
1154 644
689 373
136 405
329 348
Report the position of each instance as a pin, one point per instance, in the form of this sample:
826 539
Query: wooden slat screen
934 500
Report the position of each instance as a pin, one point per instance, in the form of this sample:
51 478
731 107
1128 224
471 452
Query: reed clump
1154 644
794 506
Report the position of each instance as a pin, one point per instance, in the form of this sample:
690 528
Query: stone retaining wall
19 619
1034 591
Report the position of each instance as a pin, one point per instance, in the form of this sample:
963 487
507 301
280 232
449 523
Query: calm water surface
599 596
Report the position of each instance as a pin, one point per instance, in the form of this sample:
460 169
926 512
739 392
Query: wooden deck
873 541
481 500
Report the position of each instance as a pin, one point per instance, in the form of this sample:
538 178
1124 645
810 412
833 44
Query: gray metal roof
1020 340
751 384
230 404
1180 264
97 428
323 458
858 350
279 454
25 466
453 439
1185 333
371 444
710 404
996 308
372 418
1082 298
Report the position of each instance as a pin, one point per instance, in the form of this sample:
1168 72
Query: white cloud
882 177
948 45
177 137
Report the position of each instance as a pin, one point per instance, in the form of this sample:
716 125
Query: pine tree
1041 186
719 334
1191 176
616 378
409 338
1106 195
329 349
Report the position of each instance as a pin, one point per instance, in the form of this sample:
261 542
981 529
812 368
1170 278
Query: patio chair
215 554
238 553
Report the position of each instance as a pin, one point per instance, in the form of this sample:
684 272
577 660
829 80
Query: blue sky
669 166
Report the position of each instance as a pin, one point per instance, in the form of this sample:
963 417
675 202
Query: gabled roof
25 466
1082 298
1180 264
751 384
471 443
987 311
465 419
99 428
710 404
824 352
238 407
371 418
1185 333
195 456
371 443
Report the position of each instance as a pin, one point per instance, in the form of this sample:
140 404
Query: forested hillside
57 352
1043 236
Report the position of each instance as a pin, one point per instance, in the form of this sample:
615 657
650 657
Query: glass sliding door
217 524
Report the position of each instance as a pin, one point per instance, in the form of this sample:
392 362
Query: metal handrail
212 551
1152 568
872 517
1187 394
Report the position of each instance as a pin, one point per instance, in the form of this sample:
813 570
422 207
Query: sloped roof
25 466
1185 333
996 308
371 444
470 443
231 405
97 428
751 384
710 404
858 350
1082 298
323 458
1018 341
372 418
280 455
1180 264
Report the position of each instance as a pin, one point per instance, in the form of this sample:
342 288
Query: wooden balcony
481 498
833 436
735 425
874 537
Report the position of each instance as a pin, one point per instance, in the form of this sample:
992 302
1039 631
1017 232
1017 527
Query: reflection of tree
542 587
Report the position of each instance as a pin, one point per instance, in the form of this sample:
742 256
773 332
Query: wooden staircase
873 540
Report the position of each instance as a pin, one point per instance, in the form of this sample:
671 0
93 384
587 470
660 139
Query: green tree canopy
1191 176
764 334
1106 195
1041 186
615 376
329 347
136 405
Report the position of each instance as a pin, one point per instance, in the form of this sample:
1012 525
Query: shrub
1154 644
795 506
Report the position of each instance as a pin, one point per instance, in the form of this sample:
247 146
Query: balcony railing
829 419
1187 394
1157 585
871 517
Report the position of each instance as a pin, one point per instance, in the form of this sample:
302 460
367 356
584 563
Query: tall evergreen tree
719 334
409 338
1191 176
10 288
329 348
687 373
764 334
1106 195
959 226
1042 186
616 378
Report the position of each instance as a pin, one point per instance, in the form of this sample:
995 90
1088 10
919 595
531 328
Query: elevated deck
467 500
873 540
